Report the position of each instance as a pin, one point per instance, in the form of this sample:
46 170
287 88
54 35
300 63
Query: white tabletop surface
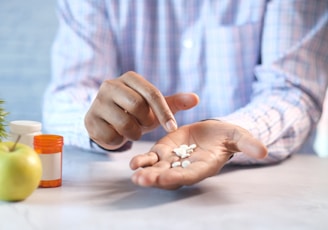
97 194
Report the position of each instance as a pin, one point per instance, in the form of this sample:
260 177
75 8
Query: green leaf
3 114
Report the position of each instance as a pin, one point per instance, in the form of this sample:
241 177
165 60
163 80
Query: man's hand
216 142
129 106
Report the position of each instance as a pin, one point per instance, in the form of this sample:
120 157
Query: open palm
216 142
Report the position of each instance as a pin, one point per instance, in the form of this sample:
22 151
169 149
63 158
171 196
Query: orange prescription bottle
50 149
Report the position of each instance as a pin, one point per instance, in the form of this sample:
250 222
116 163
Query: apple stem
14 146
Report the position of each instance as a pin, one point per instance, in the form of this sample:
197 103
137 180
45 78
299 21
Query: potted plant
3 114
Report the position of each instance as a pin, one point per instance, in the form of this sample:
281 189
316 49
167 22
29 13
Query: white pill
184 146
185 163
176 150
192 146
185 155
179 151
189 150
184 150
176 164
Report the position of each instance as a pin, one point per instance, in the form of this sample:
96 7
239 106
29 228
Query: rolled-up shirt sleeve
83 55
291 79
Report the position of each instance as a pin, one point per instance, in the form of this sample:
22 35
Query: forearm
278 123
290 80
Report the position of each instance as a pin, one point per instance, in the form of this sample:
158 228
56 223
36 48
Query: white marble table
97 194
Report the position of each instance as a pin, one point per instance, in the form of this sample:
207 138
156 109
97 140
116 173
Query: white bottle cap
24 127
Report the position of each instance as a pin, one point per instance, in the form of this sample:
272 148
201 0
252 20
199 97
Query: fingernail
171 125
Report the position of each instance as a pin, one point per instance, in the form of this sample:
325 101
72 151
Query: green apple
20 171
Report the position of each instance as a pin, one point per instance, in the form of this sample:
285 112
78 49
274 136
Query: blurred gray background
27 29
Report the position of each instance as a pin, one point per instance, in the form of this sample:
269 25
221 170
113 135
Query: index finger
154 98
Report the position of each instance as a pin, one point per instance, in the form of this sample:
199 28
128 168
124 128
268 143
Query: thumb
182 101
243 141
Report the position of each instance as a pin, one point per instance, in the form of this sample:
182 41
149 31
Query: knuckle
153 94
137 105
129 74
107 89
104 87
108 86
135 102
129 129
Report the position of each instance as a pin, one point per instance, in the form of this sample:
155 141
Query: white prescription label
51 166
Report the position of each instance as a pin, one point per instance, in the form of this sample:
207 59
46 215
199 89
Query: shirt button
187 43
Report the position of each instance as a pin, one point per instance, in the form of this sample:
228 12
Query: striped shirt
262 65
